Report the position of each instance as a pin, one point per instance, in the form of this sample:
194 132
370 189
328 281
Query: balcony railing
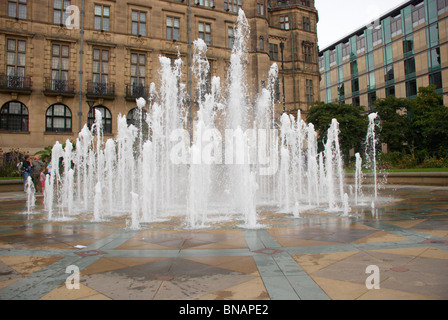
97 90
136 91
17 84
59 87
284 3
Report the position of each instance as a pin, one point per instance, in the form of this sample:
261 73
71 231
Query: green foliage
428 119
352 124
392 112
415 131
45 154
8 165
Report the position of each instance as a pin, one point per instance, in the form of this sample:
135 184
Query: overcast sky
338 18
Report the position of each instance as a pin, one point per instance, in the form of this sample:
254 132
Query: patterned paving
319 256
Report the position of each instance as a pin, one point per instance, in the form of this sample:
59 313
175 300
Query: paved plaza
319 256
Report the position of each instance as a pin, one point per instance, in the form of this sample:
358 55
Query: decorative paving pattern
316 257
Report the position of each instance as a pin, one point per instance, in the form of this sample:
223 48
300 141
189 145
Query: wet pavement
396 250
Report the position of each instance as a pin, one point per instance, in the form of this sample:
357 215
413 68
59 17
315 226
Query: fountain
370 149
234 165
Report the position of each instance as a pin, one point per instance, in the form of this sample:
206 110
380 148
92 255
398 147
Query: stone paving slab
319 256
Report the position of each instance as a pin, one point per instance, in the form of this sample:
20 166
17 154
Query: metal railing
101 90
15 83
136 91
54 86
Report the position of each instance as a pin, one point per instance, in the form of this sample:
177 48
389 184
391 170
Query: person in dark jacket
26 170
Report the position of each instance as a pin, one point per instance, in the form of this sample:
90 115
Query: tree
392 112
352 124
428 119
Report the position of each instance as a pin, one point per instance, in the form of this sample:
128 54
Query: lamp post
282 46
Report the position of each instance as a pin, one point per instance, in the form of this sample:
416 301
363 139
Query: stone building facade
109 55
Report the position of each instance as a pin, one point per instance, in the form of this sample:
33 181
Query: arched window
106 116
133 117
14 117
138 120
58 118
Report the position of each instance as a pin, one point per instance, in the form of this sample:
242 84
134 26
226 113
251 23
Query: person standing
36 167
42 179
26 169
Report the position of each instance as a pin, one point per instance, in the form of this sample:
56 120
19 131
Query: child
42 179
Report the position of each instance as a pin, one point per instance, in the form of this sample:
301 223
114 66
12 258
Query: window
309 91
306 24
307 48
328 95
284 23
106 117
395 26
136 119
305 3
388 54
371 99
172 28
14 117
360 44
230 37
356 102
100 66
205 32
261 43
138 70
371 81
102 16
59 11
433 35
332 58
206 3
58 118
389 74
17 9
327 79
341 92
408 46
340 74
370 62
273 51
260 9
434 58
418 15
345 51
411 88
59 66
436 80
354 68
138 27
15 59
321 64
442 6
232 5
59 61
377 36
409 67
390 91
355 86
